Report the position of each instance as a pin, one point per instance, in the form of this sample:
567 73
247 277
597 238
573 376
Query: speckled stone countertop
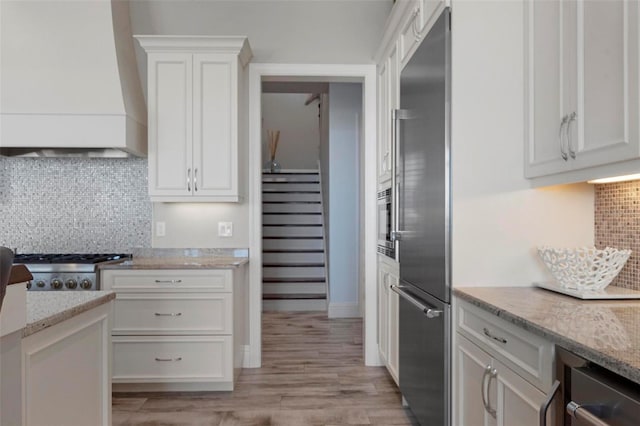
603 331
47 308
183 259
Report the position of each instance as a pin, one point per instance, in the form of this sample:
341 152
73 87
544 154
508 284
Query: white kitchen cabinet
388 100
388 316
582 85
502 372
177 329
194 98
78 348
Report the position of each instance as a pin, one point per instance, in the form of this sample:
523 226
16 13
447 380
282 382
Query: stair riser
290 197
292 244
294 305
294 288
290 186
290 272
291 231
292 257
291 219
298 177
296 208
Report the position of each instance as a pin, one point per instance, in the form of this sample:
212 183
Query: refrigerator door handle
429 312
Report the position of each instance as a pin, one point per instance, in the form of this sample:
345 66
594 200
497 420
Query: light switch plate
161 229
225 229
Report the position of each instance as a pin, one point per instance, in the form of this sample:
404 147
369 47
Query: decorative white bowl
584 268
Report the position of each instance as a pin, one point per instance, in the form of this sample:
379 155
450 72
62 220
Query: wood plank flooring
313 373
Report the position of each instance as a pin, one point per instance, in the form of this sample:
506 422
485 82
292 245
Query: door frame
338 73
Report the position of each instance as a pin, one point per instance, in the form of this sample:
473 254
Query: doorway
364 75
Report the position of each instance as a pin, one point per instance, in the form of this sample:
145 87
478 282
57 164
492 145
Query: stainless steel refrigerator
423 226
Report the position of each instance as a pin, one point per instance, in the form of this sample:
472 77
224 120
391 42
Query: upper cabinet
194 93
581 86
409 22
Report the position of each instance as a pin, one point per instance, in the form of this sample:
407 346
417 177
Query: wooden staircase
293 257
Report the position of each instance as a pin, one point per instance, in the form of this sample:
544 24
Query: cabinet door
383 316
517 402
549 56
471 363
170 131
215 125
605 128
394 331
384 118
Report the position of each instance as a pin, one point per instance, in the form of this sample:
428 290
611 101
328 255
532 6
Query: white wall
498 220
299 129
345 111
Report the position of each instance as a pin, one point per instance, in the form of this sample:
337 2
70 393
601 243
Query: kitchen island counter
47 308
604 332
183 259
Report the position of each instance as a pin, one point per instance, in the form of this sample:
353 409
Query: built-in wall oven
386 245
593 396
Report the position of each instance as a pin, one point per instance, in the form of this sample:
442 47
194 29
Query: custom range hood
69 80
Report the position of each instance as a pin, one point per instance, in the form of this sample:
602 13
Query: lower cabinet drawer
149 359
529 355
162 313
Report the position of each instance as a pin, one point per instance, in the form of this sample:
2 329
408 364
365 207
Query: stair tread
311 172
293 280
294 265
291 202
291 296
292 238
315 225
293 251
298 182
293 191
292 213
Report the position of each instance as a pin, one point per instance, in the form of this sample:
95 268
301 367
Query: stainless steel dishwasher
593 396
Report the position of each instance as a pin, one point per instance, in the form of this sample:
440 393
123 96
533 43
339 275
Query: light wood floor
313 374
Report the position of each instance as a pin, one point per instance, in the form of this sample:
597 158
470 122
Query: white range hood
69 80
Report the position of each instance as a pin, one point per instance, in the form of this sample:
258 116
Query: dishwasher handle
580 412
429 312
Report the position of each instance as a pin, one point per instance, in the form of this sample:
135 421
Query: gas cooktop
68 258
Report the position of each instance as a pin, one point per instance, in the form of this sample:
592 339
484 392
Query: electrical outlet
161 229
225 229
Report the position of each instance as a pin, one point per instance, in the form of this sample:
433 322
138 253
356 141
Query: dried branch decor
274 138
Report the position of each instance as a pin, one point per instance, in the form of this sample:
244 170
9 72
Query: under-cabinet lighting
616 179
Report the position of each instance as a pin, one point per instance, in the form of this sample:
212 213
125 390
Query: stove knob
56 284
28 285
71 284
86 284
40 284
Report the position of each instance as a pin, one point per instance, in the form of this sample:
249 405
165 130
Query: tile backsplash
74 204
617 224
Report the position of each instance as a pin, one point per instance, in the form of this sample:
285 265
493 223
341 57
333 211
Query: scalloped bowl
584 268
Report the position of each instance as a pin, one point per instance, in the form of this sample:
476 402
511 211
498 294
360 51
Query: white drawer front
162 313
209 280
527 354
172 359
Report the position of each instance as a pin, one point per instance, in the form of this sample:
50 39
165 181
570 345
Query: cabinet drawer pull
572 117
547 402
169 359
176 314
563 153
195 180
168 281
580 413
491 373
189 180
496 338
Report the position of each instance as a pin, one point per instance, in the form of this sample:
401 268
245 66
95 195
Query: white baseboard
344 310
248 361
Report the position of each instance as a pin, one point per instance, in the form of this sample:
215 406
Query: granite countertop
47 308
603 331
183 259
